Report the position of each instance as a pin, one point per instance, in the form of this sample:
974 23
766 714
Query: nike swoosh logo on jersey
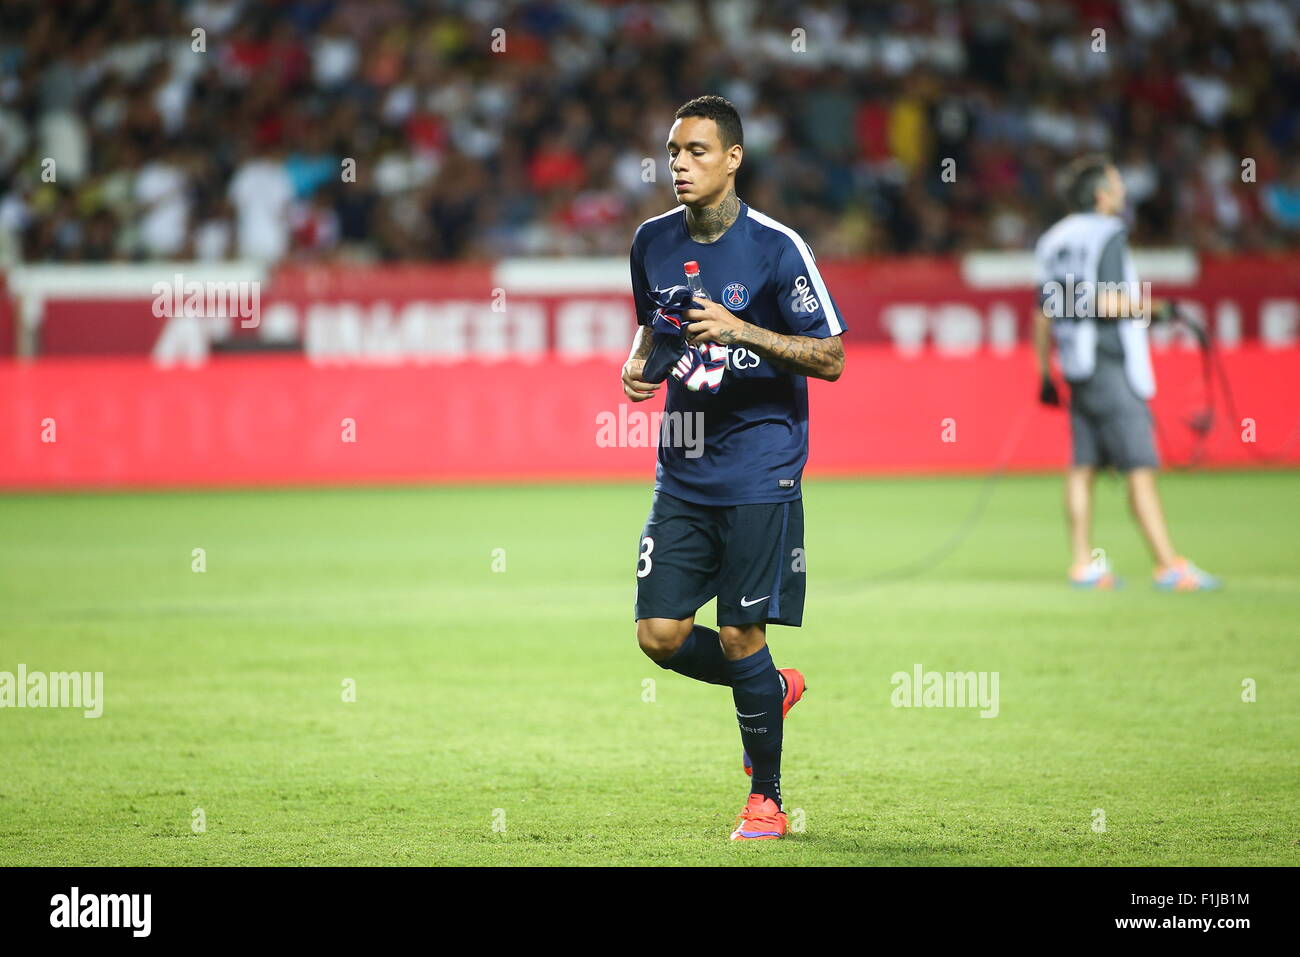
746 604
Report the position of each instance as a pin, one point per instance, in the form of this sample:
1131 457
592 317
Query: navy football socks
756 687
758 691
700 657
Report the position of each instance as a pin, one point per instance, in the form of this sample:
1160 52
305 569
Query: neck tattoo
708 225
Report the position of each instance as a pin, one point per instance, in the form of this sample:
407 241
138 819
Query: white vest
1069 253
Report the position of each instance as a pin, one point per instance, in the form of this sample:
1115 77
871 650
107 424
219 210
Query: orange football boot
761 820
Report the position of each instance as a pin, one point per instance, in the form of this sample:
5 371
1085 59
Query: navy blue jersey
755 436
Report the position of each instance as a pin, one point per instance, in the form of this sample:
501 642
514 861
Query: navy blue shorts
751 557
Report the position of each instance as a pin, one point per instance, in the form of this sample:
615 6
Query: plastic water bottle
716 356
694 281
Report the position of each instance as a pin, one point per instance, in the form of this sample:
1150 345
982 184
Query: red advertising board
575 310
279 419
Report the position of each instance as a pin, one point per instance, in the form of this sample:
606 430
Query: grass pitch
500 716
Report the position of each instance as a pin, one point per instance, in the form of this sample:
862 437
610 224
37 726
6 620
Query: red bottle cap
692 268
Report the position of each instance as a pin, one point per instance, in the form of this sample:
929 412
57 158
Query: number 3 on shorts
644 564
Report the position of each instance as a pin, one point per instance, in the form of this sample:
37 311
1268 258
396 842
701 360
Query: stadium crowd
387 130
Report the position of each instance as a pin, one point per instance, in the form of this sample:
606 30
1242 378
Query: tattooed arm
634 387
802 355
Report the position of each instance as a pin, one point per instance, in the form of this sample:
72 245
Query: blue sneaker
1182 575
1095 576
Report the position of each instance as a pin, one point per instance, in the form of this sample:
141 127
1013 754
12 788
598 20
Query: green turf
517 696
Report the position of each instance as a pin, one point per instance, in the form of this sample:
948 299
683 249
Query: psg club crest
735 296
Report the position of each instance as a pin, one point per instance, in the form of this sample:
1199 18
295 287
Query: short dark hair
1081 179
721 111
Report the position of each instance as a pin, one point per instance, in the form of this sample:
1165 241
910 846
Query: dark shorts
1110 424
751 557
